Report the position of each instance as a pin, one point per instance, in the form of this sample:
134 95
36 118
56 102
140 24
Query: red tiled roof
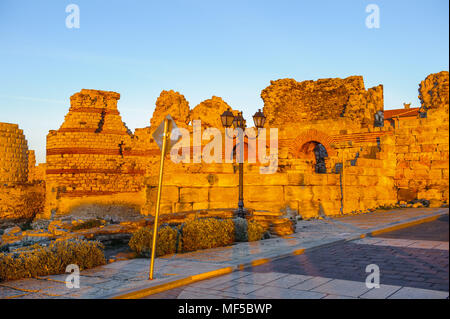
388 114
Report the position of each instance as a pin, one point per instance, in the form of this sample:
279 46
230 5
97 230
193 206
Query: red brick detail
94 110
85 193
360 137
93 171
413 112
90 130
101 151
311 135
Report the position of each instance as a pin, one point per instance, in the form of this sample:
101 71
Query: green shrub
194 235
166 242
207 233
91 223
36 260
255 231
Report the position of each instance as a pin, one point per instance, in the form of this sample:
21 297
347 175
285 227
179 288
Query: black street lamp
238 121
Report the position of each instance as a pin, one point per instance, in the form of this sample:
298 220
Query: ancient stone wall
14 155
36 173
422 146
434 92
173 103
367 155
289 101
209 112
19 199
94 158
21 202
90 157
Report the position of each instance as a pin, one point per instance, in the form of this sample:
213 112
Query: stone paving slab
410 243
260 278
312 283
193 295
327 289
288 281
343 288
121 276
417 293
283 293
210 283
240 288
383 292
337 297
7 293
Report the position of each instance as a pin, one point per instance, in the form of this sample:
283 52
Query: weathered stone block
168 194
193 194
296 178
183 207
326 193
227 180
298 193
405 194
308 209
331 208
440 164
264 193
223 194
204 205
271 206
266 179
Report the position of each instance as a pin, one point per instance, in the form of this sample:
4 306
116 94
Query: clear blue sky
227 48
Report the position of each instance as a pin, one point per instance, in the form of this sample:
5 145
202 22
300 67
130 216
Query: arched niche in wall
315 146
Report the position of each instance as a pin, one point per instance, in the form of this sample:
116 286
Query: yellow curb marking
298 252
261 261
174 284
405 225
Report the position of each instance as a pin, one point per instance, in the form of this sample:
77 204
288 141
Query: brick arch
311 135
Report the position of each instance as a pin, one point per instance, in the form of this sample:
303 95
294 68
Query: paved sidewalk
129 278
276 285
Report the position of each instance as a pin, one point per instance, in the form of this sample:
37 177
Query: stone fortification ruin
339 152
18 174
14 149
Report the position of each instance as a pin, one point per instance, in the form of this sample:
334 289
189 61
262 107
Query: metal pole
241 191
343 180
241 212
158 199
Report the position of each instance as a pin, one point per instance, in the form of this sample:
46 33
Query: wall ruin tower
88 154
14 155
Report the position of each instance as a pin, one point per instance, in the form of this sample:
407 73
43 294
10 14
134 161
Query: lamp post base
241 211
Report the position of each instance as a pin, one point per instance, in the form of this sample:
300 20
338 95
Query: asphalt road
435 230
403 266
